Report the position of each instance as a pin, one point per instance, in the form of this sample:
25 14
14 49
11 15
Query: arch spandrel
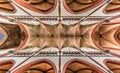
13 33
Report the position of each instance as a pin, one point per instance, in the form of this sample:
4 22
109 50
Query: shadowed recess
11 36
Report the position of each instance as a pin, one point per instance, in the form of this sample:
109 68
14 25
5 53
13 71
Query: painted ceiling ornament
40 6
6 6
112 7
79 6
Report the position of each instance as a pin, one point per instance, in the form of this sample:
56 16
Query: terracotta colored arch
79 6
112 7
40 6
113 65
6 6
6 65
106 36
80 66
39 66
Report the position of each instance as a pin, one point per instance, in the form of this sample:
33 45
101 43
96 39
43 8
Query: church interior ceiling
59 36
